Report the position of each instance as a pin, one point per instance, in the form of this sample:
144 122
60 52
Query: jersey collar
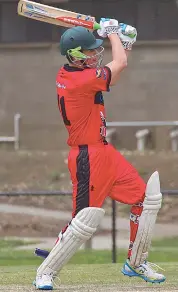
69 68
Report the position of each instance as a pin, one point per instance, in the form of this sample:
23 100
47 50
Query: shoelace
154 266
53 279
56 281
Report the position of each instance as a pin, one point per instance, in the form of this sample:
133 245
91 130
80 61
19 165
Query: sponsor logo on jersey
59 85
98 73
101 73
104 74
103 126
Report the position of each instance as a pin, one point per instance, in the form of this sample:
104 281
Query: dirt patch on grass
33 226
91 288
25 170
48 170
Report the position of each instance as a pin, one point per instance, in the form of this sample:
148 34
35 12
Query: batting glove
108 26
128 35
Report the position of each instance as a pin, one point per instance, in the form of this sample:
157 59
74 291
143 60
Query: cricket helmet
76 39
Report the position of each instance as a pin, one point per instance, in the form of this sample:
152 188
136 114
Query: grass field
87 271
93 277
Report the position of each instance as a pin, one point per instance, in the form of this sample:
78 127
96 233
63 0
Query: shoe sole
43 287
142 277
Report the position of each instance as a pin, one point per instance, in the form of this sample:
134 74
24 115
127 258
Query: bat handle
96 26
41 253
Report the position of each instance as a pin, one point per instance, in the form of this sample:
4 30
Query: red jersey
81 103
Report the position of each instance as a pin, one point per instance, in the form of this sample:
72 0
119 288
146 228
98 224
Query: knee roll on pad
85 224
151 205
81 228
153 196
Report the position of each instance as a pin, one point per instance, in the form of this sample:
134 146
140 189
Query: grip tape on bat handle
96 26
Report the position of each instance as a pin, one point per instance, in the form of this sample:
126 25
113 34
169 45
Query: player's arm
100 79
122 37
127 53
119 55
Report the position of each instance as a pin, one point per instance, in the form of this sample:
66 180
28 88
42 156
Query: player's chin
92 64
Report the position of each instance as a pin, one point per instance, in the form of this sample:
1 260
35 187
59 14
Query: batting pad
81 228
151 206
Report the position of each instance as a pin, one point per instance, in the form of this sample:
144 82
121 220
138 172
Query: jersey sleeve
97 79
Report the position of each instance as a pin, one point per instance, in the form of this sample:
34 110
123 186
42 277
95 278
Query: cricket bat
56 16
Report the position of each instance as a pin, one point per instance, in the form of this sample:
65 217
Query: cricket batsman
97 169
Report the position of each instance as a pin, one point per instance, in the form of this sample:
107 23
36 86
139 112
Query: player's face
95 57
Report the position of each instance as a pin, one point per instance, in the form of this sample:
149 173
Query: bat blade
53 15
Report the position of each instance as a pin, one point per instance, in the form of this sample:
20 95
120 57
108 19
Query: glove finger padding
102 32
128 30
108 26
128 35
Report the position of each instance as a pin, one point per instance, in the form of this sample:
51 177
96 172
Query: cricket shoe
46 282
146 271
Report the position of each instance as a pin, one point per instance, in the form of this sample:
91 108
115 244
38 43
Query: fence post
16 131
114 252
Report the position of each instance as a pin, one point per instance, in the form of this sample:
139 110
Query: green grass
86 268
11 243
98 274
11 257
20 258
166 242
